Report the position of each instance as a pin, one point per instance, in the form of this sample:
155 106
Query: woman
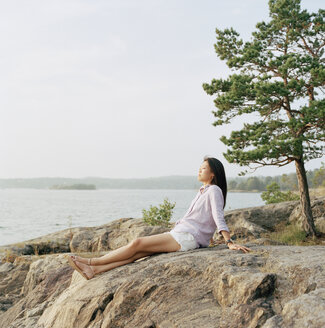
194 230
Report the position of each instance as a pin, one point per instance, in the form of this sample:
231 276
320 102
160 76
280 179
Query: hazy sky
114 88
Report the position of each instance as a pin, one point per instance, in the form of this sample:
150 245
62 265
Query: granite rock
272 286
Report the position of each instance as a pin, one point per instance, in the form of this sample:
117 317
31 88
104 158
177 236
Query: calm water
30 213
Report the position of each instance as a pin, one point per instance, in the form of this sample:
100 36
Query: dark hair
219 178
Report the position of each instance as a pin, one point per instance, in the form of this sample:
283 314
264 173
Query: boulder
83 239
252 222
318 210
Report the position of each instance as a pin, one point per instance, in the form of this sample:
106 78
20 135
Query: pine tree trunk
306 212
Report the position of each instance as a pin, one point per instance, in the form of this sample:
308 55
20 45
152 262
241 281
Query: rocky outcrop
270 287
12 278
318 210
273 286
45 280
84 239
251 222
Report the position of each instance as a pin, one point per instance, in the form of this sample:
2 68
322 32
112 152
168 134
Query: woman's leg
159 243
93 270
106 267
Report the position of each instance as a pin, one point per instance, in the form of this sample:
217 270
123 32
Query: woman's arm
216 203
234 246
225 234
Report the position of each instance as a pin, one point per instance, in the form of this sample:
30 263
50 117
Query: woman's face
205 175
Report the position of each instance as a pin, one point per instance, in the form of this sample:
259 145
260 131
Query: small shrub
159 216
274 195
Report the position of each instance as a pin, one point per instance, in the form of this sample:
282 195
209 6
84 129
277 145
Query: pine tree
279 77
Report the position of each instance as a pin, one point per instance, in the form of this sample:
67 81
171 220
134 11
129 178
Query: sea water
30 213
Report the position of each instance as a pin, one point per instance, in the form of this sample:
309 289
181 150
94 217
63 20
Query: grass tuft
291 234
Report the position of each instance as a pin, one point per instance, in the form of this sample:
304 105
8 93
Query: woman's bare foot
87 269
79 259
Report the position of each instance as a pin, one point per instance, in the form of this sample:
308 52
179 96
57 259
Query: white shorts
185 239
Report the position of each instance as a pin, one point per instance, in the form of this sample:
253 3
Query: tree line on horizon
316 178
286 182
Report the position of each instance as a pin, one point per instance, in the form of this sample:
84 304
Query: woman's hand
236 247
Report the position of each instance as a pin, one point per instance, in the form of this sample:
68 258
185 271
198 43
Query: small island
79 186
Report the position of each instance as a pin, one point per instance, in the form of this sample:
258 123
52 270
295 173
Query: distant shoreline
58 189
312 191
235 185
